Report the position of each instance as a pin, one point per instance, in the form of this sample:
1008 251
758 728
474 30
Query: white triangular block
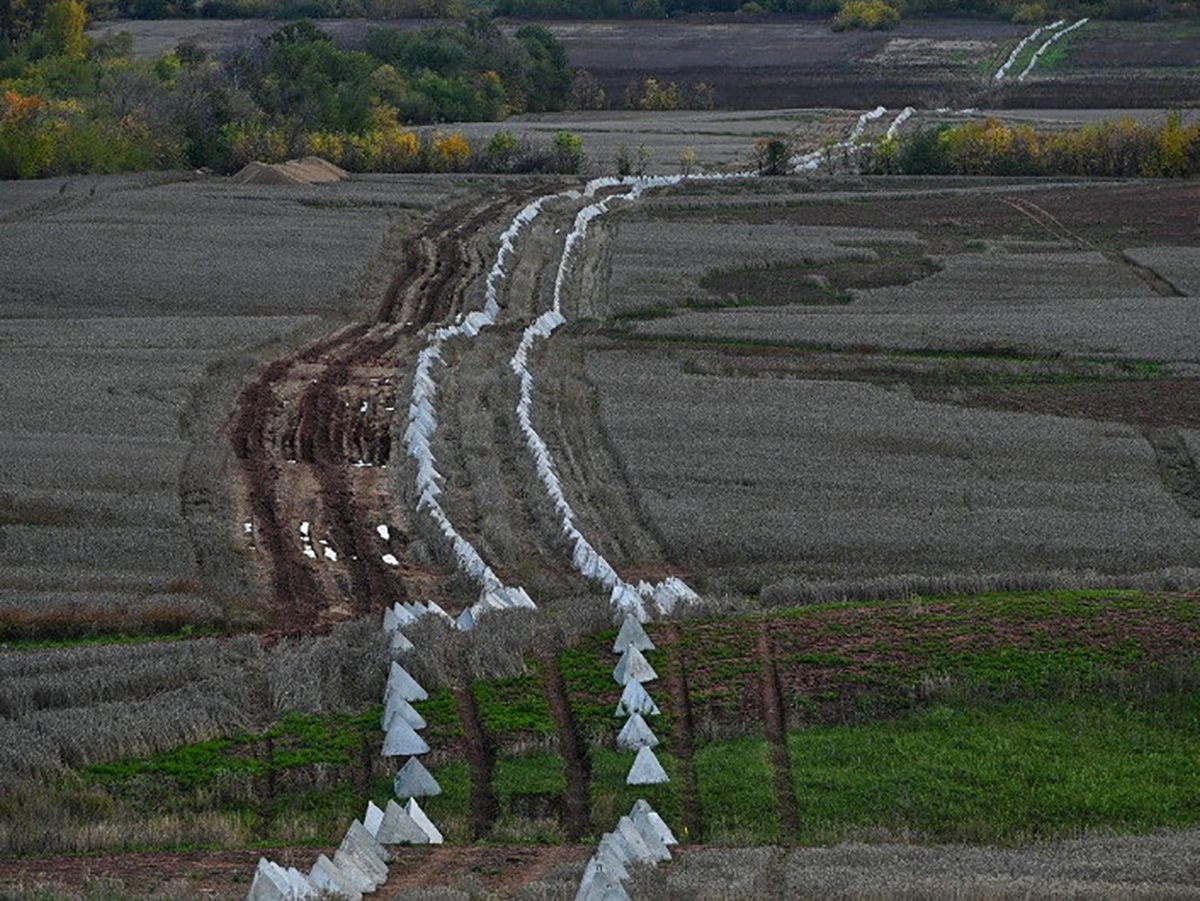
372 818
465 621
360 846
651 849
400 682
635 699
632 635
353 873
396 706
389 620
611 858
402 740
635 735
414 781
642 811
270 883
646 770
413 809
302 889
398 828
400 643
326 876
633 667
600 884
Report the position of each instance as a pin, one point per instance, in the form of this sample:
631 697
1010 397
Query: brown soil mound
311 170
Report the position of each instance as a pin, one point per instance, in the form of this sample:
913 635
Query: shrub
566 152
1029 14
872 15
450 152
772 156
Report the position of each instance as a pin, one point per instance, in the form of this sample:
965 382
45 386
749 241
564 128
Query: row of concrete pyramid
359 865
632 671
640 839
626 598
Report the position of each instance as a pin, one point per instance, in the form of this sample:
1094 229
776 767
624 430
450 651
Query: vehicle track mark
1177 470
576 763
684 742
776 729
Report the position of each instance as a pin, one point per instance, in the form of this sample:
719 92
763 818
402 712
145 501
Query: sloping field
131 308
837 480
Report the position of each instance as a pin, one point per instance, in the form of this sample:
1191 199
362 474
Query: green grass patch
1004 773
737 795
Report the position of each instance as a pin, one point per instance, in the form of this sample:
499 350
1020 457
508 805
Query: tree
63 29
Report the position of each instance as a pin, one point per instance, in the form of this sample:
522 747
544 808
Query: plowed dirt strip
313 431
576 763
775 725
684 742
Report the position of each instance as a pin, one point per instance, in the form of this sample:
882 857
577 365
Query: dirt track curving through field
312 437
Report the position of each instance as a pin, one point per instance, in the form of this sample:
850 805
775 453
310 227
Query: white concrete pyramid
632 635
355 853
633 666
327 877
655 849
645 817
359 840
353 873
401 683
635 734
402 740
270 883
414 781
413 809
396 706
372 818
599 884
646 770
635 699
302 889
611 857
400 644
398 828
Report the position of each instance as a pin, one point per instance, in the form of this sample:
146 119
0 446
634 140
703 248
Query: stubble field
960 393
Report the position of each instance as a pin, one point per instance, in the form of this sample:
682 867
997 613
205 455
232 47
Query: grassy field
995 718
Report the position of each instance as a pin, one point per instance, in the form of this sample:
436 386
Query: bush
566 152
772 156
872 15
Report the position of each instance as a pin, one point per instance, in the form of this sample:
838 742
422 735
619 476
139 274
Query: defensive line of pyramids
359 865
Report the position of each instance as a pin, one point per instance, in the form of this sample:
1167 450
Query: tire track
576 763
776 729
311 432
684 742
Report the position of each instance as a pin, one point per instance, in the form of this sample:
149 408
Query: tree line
70 104
1124 147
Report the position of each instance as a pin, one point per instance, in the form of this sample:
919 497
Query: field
927 449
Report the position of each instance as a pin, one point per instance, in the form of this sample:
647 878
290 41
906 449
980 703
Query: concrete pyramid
632 635
635 734
270 883
358 851
633 667
413 809
645 817
465 621
372 818
358 837
639 849
400 643
414 781
402 740
353 874
401 683
397 706
301 887
646 770
655 850
611 856
398 828
635 699
598 884
327 877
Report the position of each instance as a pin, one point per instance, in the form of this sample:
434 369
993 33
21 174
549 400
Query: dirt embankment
313 437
